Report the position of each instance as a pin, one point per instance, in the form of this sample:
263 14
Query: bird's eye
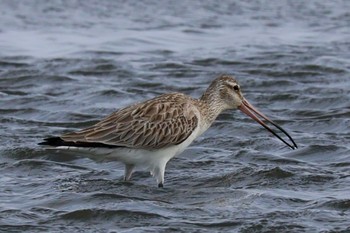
235 87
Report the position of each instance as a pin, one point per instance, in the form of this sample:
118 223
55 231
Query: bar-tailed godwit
150 133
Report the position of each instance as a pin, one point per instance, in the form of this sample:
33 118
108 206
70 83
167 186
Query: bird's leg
160 177
128 171
158 173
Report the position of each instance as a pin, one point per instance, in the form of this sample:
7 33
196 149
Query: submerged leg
128 171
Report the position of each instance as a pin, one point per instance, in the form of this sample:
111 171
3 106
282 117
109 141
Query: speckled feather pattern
166 120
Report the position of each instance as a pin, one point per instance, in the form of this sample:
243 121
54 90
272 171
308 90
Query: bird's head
226 92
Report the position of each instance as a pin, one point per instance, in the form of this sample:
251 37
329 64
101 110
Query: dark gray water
66 64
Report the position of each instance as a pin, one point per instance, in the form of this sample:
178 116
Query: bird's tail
53 141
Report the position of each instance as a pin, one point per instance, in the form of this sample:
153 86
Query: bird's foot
160 185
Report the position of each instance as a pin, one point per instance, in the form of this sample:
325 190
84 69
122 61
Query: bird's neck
211 106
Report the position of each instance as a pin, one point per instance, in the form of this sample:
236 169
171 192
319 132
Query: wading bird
150 133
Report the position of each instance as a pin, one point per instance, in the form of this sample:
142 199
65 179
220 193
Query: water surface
64 65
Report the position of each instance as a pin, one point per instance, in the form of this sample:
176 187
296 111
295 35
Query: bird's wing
160 122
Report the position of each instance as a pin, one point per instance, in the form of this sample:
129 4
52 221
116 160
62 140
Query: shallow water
64 65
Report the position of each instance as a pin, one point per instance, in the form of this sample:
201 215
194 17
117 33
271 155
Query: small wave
102 53
214 224
115 196
217 61
41 164
89 214
319 68
340 164
276 172
283 73
339 204
20 153
8 64
318 153
169 65
265 225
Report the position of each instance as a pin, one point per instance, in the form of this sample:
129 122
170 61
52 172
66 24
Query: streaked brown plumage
160 122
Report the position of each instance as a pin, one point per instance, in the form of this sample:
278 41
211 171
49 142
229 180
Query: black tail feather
57 141
54 141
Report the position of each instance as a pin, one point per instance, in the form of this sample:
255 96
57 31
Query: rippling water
66 64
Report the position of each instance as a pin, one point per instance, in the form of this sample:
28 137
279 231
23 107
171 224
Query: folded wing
160 122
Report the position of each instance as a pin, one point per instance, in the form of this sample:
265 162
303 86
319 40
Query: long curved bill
251 111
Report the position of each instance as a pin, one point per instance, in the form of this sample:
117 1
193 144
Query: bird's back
160 122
